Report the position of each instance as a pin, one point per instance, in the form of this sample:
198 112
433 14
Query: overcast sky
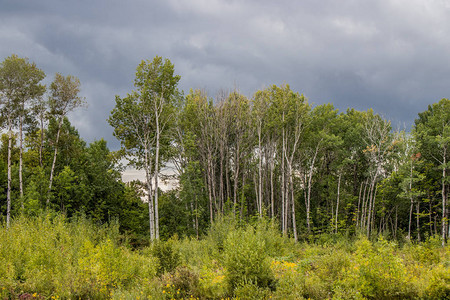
389 55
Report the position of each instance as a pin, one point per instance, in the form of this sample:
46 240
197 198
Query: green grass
50 257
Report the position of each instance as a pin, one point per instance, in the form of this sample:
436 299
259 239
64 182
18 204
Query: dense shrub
246 261
167 255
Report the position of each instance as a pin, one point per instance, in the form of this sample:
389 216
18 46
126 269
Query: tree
432 130
63 99
238 110
379 145
19 83
142 121
39 109
319 137
203 128
290 112
261 104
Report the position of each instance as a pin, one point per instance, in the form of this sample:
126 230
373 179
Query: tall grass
48 257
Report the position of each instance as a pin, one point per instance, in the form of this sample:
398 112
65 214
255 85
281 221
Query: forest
269 190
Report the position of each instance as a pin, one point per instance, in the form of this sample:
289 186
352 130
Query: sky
389 55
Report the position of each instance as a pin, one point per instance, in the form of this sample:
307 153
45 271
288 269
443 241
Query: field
50 257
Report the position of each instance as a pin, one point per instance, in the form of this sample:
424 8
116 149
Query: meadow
52 257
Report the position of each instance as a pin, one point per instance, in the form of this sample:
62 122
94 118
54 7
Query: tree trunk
41 145
259 173
8 191
21 160
444 204
236 178
373 207
396 222
359 205
54 162
209 185
418 221
242 196
370 200
221 191
337 201
151 212
308 202
255 184
410 219
272 200
156 179
364 206
294 224
283 200
430 218
227 176
196 216
411 199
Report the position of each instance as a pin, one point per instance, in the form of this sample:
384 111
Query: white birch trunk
21 160
8 191
54 162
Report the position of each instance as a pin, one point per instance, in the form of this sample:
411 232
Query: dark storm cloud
387 55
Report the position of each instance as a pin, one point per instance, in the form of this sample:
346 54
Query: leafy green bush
246 261
195 253
167 255
219 230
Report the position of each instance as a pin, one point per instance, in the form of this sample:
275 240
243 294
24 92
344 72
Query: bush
377 272
219 231
246 261
290 280
182 283
439 283
167 255
212 281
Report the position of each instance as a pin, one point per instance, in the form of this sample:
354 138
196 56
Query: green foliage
245 259
181 283
220 229
49 256
167 255
377 272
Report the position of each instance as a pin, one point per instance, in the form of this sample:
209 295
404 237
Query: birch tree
142 121
19 84
379 144
64 98
290 111
261 104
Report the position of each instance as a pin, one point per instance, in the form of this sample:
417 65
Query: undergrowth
50 257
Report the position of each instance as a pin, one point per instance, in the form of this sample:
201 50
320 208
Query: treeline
45 165
315 169
312 168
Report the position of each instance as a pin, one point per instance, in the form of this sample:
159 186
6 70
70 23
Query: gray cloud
386 55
